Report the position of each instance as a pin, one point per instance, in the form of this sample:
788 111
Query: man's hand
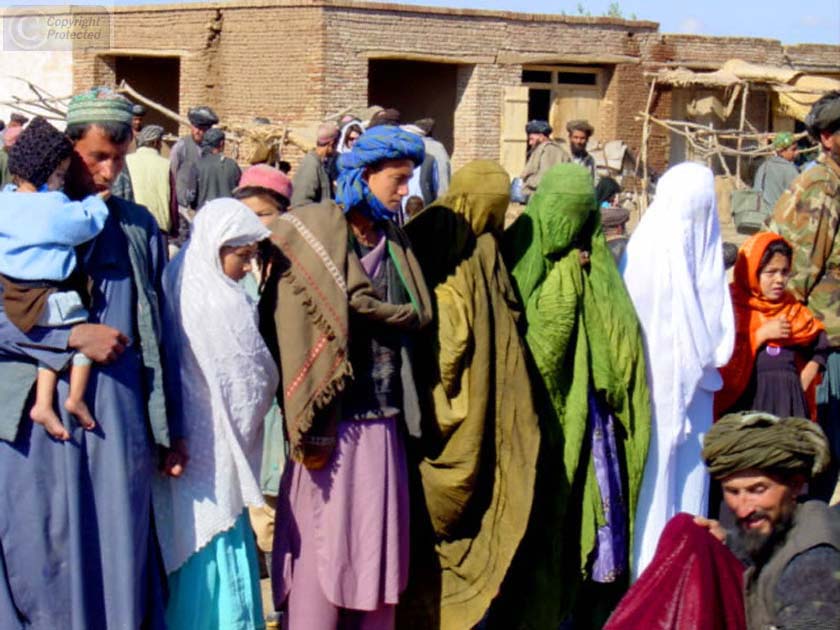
175 459
98 342
713 526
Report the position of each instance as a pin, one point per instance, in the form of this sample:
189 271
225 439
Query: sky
817 22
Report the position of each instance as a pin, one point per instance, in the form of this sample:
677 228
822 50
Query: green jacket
18 376
807 215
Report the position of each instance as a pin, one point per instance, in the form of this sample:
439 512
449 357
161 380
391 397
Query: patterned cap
99 105
138 110
38 152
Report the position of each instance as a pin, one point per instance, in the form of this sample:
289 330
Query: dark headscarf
605 189
538 126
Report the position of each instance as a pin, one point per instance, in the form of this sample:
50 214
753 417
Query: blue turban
373 146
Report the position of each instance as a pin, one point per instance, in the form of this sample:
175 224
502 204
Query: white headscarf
228 378
673 268
345 131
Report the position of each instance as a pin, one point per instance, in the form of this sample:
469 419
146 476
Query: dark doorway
156 78
418 89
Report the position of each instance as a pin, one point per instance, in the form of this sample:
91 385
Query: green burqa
583 334
477 464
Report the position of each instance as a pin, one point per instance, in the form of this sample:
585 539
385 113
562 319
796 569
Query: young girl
39 230
228 382
778 341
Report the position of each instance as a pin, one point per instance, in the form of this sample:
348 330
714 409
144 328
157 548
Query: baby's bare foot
79 409
47 418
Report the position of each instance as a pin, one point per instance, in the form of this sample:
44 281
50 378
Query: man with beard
579 134
807 215
543 153
793 547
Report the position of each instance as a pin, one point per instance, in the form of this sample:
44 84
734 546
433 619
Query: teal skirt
219 586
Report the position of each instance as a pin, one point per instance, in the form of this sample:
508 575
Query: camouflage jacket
808 216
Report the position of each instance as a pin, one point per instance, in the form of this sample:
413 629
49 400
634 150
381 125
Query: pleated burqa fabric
585 343
477 462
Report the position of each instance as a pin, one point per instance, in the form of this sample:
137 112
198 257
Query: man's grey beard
759 547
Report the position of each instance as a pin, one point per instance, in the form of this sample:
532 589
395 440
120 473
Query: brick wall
297 61
702 50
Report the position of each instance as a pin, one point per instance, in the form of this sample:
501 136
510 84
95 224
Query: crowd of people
409 414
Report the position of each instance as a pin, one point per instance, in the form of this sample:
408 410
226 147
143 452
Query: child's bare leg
75 403
42 411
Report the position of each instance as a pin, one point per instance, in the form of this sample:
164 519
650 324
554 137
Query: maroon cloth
694 582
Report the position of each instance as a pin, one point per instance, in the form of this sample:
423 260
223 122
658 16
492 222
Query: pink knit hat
265 176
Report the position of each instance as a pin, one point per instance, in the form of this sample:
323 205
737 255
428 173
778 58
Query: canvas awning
796 91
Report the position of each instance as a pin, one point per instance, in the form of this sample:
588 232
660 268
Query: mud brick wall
297 61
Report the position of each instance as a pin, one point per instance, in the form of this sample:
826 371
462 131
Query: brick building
481 74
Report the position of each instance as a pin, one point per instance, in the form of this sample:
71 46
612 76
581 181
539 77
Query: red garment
693 582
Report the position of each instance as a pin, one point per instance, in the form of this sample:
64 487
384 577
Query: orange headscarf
752 310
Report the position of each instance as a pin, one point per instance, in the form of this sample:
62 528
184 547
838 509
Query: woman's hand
773 329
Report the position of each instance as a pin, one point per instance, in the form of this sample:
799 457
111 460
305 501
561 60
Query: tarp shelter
795 91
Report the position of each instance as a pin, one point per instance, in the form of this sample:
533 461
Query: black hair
284 167
266 193
116 132
776 247
730 255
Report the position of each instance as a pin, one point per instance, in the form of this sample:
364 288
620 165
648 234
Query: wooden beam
549 58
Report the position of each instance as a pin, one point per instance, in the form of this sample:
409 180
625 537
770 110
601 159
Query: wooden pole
744 98
125 88
644 153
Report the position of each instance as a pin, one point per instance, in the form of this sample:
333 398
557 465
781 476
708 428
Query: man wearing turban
543 153
344 296
793 547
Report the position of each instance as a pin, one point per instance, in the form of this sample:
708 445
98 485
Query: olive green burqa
583 335
479 454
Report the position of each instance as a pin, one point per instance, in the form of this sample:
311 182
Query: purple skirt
353 514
